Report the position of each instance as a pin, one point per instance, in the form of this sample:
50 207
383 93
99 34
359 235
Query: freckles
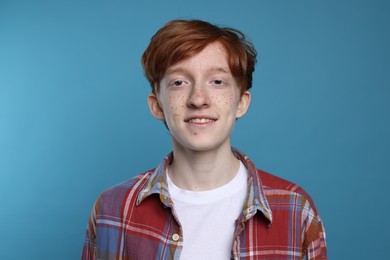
181 101
176 103
230 101
225 99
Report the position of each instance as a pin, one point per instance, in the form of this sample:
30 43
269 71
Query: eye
217 82
178 83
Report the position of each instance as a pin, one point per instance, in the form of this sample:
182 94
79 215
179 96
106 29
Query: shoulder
112 199
276 187
290 202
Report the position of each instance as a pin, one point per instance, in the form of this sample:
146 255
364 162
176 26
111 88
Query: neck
203 170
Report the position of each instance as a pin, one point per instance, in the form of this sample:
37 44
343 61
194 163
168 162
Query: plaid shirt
136 220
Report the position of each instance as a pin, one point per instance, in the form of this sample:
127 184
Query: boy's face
200 101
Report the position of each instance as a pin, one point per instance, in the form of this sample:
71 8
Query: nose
198 97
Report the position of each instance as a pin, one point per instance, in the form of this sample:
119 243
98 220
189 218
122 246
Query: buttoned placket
176 234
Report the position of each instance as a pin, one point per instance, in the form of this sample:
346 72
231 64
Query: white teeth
200 120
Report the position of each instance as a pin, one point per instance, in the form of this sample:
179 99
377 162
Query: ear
155 107
243 104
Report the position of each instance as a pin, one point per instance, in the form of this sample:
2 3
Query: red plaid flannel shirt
135 220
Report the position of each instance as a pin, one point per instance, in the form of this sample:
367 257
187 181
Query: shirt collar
256 199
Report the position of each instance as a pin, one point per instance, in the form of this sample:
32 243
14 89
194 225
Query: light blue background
74 119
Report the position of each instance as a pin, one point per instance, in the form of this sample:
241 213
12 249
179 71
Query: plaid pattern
136 220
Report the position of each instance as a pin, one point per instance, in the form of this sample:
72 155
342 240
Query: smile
201 120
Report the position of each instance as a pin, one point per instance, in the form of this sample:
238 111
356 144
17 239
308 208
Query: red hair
181 39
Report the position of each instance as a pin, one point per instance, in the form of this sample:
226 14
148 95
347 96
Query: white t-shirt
208 217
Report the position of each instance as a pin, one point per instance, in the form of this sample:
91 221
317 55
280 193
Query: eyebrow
219 69
211 70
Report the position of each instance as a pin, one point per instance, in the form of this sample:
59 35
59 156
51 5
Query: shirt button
175 237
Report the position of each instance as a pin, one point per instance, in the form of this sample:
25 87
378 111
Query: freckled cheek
176 105
225 100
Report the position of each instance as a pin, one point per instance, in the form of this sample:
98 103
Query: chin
200 145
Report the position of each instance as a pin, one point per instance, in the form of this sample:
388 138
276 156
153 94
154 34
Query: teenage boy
206 200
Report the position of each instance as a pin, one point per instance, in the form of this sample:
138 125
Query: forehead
213 57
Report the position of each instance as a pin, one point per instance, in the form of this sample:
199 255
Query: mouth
200 120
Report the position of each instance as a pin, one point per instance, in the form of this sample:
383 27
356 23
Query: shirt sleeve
89 247
314 242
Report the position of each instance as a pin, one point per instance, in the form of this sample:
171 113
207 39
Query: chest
152 231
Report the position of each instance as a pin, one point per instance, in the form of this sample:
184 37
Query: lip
200 119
